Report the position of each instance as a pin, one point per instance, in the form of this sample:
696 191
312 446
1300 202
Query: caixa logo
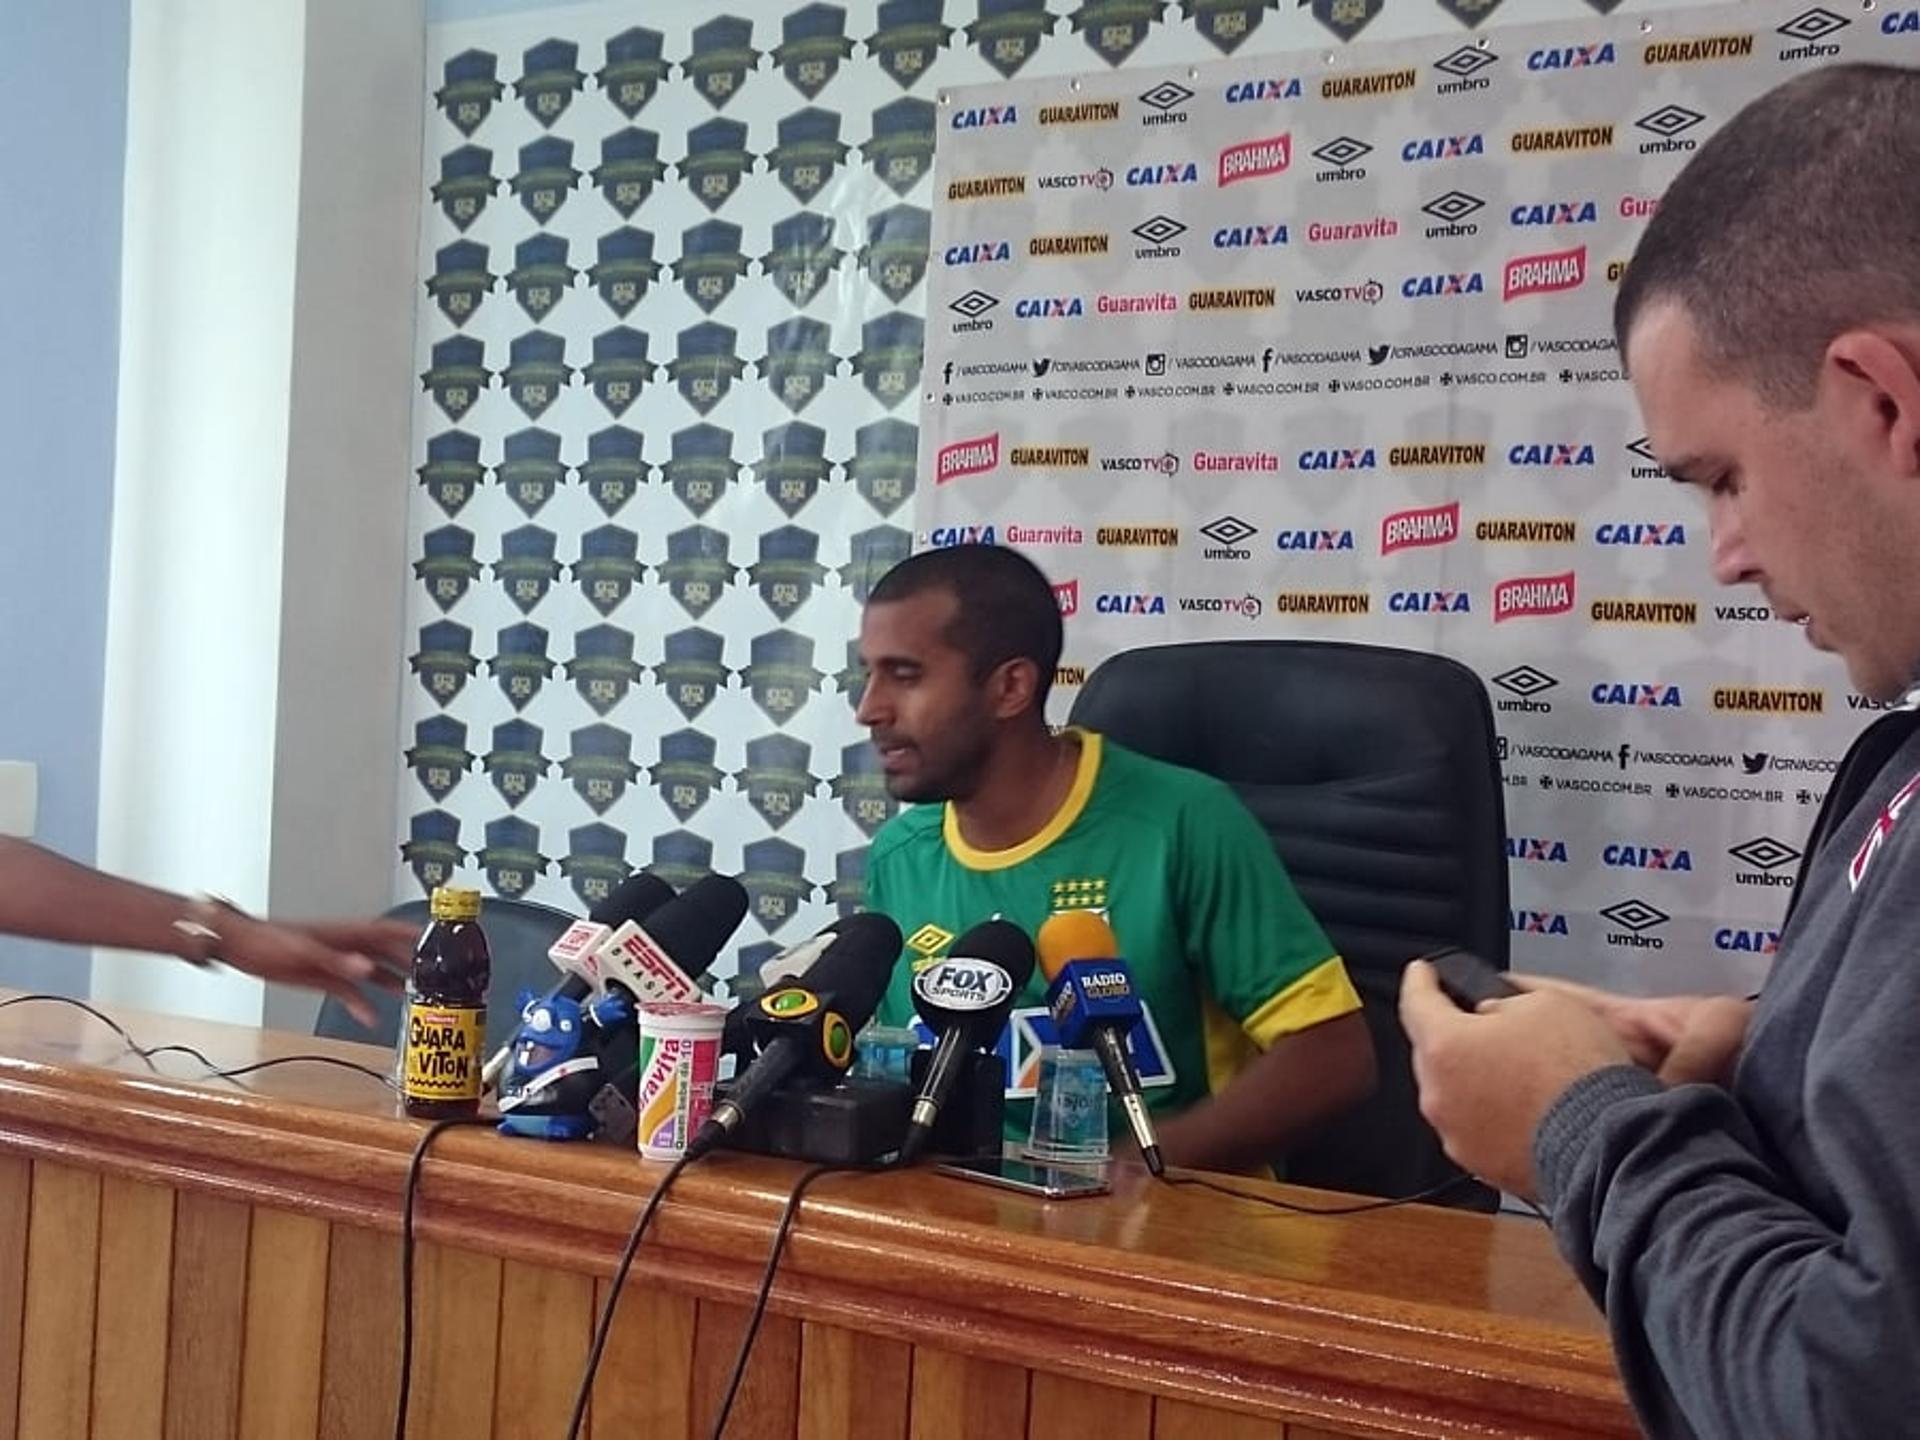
980 117
1183 173
1429 602
1625 533
1049 307
1746 942
1554 212
1900 22
980 252
1550 454
1360 459
966 457
1537 922
1541 852
1442 284
1120 603
1442 147
1571 57
1321 541
943 536
1647 857
1645 697
1240 92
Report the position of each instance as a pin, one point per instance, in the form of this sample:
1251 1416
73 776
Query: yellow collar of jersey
1056 826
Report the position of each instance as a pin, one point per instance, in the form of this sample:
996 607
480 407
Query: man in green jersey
1254 1034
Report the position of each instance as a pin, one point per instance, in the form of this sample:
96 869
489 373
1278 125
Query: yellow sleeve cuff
1323 993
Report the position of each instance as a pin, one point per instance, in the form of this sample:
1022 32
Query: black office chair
519 934
1374 771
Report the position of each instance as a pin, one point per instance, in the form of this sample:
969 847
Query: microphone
662 957
965 1000
1090 995
806 1025
635 898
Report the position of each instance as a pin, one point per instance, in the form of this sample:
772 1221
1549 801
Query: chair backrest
519 934
1374 772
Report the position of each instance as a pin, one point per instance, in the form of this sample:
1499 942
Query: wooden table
202 1260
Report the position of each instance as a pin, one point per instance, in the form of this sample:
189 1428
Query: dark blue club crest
625 269
1471 12
457 375
798 363
701 467
549 79
465 185
446 565
460 280
781 676
541 276
722 55
634 70
520 665
693 672
792 464
852 680
511 856
630 166
546 177
901 147
615 469
444 660
873 553
717 159
895 255
776 778
697 570
530 469
892 348
602 668
707 365
453 470
861 788
1226 24
515 762
620 368
608 569
596 862
1008 32
537 371
438 757
601 765
685 775
1346 18
710 263
772 871
808 152
526 568
680 858
787 570
847 892
885 456
1114 29
802 257
910 38
432 848
468 90
813 42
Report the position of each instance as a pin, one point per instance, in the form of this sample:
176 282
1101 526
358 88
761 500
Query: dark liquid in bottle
446 1018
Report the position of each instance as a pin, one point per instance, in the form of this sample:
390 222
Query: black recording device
1467 979
965 1000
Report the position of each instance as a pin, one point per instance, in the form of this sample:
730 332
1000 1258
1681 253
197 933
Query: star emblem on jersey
1085 893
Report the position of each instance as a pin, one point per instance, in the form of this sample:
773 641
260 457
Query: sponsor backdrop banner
1319 345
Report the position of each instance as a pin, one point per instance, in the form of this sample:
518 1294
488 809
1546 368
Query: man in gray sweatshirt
1739 1187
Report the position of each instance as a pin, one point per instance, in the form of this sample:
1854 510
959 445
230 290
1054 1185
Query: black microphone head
978 982
693 925
634 898
852 972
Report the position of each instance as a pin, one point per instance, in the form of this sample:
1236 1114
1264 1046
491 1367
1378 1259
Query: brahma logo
1112 603
1758 700
1342 603
1551 455
981 117
1360 459
1241 92
1530 595
981 252
1539 852
1441 285
1644 612
1183 173
1049 307
1561 139
966 457
1429 602
1647 857
1243 237
1408 529
1693 52
1370 86
1633 919
1747 942
1572 57
1441 147
1255 158
1066 594
987 187
1537 922
1318 541
1625 533
1638 697
1544 274
1554 212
